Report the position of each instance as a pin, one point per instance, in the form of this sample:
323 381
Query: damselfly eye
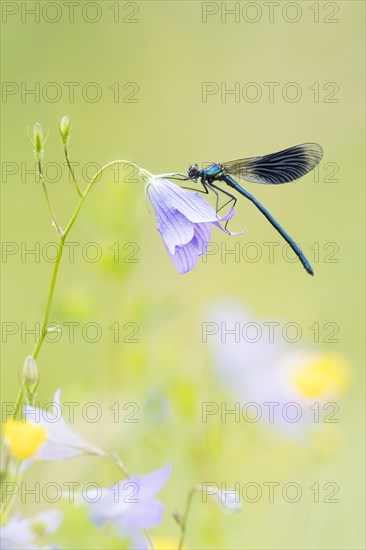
193 171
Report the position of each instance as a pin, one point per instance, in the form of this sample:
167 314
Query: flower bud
38 141
228 500
65 128
30 372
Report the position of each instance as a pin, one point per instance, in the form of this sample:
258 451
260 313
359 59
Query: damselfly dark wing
281 167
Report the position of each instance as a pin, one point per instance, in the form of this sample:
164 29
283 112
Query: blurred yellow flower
24 438
328 374
166 544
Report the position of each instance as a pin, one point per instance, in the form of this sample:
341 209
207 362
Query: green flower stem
118 462
149 539
183 523
57 225
80 193
144 175
7 501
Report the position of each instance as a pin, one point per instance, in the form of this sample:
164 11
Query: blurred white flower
20 533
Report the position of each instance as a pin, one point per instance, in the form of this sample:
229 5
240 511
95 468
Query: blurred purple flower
131 505
275 380
185 221
20 533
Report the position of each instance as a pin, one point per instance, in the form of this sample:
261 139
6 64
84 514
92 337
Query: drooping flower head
61 440
45 435
185 221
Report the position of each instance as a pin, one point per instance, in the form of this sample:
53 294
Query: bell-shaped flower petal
61 440
131 506
184 220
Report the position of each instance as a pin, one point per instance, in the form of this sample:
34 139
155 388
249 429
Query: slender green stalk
183 524
57 225
118 462
149 539
80 193
144 174
6 501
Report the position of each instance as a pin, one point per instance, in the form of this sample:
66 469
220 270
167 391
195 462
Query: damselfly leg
232 199
182 177
175 176
206 187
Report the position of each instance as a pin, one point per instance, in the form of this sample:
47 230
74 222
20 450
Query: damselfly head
193 172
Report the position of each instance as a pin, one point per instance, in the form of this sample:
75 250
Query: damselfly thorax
208 175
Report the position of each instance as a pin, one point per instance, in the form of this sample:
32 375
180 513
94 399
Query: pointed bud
65 129
228 500
178 517
38 141
30 372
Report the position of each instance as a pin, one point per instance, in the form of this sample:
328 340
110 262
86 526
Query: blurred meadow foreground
153 396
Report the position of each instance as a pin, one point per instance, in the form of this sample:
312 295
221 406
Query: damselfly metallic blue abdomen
275 168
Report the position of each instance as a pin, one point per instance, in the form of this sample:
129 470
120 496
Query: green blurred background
169 52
